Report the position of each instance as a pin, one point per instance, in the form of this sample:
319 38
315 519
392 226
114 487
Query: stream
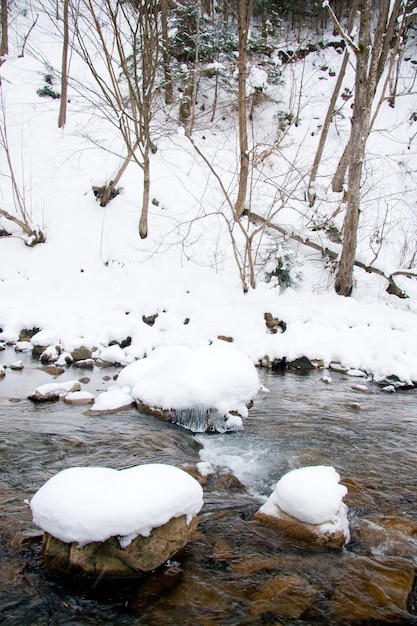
235 570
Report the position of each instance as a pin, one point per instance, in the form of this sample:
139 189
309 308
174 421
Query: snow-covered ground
94 278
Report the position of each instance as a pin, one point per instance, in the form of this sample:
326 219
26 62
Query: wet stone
84 364
284 595
53 370
377 590
303 364
81 354
391 535
107 559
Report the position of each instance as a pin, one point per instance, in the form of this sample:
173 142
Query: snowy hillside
94 279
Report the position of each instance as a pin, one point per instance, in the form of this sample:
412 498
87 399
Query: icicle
200 419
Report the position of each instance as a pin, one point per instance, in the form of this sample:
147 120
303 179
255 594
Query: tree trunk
244 15
330 112
359 133
64 71
165 53
143 222
4 44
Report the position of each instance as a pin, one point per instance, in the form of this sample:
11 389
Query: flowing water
236 570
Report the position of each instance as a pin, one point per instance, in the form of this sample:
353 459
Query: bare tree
372 51
21 216
245 8
330 110
126 38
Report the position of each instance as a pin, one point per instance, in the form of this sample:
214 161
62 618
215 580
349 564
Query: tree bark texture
371 57
64 70
4 44
244 16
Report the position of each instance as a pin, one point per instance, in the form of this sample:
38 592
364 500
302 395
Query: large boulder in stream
307 504
208 388
109 559
99 521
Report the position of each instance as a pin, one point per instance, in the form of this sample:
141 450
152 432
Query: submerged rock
373 590
286 595
108 559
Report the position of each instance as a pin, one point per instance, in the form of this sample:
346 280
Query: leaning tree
381 24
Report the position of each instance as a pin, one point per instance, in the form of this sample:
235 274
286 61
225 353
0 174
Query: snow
215 376
94 279
111 400
61 387
311 495
86 504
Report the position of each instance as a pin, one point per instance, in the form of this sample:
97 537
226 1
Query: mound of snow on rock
86 504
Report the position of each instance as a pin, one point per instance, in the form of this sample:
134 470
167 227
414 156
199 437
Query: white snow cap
86 504
215 376
310 494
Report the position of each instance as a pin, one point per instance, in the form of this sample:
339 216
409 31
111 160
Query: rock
303 364
307 504
329 534
53 370
287 595
390 535
393 382
2 372
377 590
362 389
84 364
357 373
37 351
252 563
222 552
225 338
17 365
153 586
53 391
337 367
273 324
23 346
79 398
113 355
110 401
108 559
50 355
219 481
26 334
359 495
81 354
149 319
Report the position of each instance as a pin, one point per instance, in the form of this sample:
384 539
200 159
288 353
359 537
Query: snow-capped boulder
51 392
307 504
114 355
111 401
79 398
205 388
100 521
